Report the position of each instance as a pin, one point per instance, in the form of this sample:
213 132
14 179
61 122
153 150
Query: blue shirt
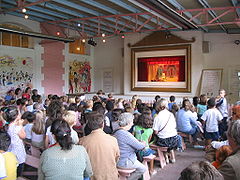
186 120
222 107
170 105
128 144
201 109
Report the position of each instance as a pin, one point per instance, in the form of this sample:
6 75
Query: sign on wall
107 80
15 72
211 82
79 77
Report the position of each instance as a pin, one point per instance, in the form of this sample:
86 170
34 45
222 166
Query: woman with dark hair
18 93
27 93
54 111
64 160
14 127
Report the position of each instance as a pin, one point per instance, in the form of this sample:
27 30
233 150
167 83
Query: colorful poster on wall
79 77
15 72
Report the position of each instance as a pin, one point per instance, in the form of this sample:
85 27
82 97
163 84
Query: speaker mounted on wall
205 46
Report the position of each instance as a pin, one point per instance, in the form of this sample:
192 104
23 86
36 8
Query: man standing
102 149
221 105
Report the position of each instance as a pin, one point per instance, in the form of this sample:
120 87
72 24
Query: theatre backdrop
161 62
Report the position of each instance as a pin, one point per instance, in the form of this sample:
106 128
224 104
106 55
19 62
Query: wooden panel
16 40
6 39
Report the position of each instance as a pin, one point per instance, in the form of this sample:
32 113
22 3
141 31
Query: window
77 47
10 39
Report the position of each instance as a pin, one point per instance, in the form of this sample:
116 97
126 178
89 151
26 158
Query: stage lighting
92 42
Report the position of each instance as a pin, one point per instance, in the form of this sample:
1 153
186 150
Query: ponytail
62 132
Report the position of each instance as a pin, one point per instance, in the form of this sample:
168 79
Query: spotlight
78 48
26 16
24 10
92 42
78 24
122 36
83 40
103 35
103 40
58 33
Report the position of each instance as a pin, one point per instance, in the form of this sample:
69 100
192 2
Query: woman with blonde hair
38 130
71 118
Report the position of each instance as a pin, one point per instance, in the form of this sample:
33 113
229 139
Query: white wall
109 56
225 54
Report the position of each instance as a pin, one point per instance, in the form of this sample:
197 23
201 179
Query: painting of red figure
79 77
161 69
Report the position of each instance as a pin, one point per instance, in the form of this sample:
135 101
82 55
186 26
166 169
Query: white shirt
37 137
211 117
161 120
50 136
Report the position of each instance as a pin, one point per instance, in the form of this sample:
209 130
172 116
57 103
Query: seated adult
164 126
102 149
230 168
64 160
201 170
187 121
128 145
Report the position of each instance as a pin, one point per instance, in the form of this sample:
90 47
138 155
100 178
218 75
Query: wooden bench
149 171
187 136
124 173
162 155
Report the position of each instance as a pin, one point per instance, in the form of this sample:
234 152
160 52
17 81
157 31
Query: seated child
221 154
143 132
10 171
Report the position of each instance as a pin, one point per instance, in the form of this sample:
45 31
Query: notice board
211 82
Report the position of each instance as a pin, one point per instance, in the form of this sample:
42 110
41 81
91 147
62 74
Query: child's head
222 92
195 100
157 97
116 113
145 120
29 116
77 99
172 98
186 104
222 153
34 92
70 117
10 114
203 99
211 102
5 140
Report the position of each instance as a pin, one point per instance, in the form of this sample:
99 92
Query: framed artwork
211 82
161 69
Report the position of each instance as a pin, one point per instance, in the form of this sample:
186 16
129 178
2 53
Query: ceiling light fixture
58 33
78 24
103 35
26 16
103 40
83 40
24 10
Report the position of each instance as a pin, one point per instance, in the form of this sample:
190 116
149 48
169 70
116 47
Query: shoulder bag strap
165 124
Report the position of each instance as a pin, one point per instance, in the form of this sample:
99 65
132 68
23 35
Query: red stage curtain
143 62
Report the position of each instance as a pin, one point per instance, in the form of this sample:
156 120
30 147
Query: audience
102 149
164 127
231 166
14 127
211 118
187 121
57 129
128 145
64 160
